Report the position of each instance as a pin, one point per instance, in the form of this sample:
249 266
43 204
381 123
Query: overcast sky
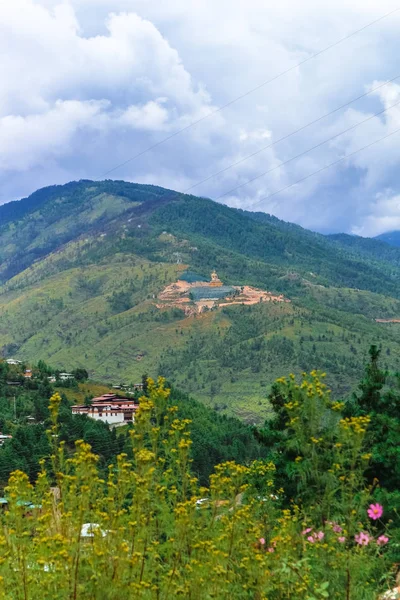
88 84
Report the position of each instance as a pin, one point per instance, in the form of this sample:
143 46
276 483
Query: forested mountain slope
82 266
391 237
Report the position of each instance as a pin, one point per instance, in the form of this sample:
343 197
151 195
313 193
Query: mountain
391 237
87 274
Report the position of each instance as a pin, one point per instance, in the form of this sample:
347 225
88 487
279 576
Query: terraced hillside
83 266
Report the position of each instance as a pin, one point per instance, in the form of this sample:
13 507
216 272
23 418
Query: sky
89 86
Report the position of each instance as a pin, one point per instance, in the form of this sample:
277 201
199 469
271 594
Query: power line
287 136
251 91
336 162
309 150
170 195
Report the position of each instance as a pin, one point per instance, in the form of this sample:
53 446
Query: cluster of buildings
52 378
109 408
28 373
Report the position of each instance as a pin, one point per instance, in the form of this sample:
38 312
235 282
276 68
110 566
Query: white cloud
84 76
32 140
382 215
151 116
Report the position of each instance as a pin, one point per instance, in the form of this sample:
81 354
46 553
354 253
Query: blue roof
202 293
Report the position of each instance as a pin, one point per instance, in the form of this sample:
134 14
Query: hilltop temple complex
197 296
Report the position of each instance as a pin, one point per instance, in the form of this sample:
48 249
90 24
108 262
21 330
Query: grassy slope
61 307
226 358
85 390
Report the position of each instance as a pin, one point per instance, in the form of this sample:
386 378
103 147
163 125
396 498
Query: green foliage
216 438
147 530
80 374
288 247
120 301
370 387
379 396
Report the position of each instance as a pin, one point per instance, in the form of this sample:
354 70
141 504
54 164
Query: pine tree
370 387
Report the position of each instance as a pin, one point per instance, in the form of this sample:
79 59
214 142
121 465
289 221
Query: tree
80 374
370 387
382 403
43 368
145 379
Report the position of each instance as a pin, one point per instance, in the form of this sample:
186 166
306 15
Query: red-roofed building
110 409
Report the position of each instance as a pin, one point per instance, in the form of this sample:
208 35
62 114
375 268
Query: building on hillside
28 374
13 361
4 438
215 280
110 409
65 376
128 388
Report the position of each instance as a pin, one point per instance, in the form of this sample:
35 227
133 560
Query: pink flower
341 539
362 538
271 549
382 540
316 537
336 528
306 530
375 511
262 541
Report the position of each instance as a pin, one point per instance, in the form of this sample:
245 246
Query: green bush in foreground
149 531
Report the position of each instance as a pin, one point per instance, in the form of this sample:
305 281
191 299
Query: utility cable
252 90
336 162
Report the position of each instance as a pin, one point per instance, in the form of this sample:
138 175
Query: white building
110 409
13 361
65 376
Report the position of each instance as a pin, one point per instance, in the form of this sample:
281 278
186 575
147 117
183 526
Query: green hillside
391 237
82 266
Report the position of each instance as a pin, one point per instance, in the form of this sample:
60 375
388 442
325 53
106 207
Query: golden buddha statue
215 280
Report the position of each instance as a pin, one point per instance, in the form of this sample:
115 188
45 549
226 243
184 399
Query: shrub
149 531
